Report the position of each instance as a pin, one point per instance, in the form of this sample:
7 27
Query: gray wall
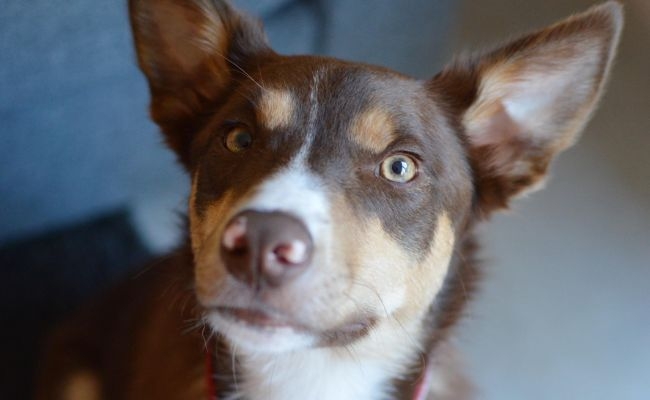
75 138
565 308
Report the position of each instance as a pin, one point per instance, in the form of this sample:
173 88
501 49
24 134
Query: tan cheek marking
369 258
205 240
383 264
426 280
82 385
373 129
383 275
276 108
206 243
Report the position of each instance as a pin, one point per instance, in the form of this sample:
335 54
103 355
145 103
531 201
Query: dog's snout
265 249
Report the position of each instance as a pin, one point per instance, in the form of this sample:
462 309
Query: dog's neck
367 369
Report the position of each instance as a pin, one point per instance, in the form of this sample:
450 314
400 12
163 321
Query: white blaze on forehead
296 191
276 108
310 129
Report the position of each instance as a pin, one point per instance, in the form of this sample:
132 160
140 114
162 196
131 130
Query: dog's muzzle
266 249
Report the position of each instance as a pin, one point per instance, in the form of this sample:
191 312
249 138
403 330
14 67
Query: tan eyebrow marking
373 129
275 108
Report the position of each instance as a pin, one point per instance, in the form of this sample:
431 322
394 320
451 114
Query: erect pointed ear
190 51
522 104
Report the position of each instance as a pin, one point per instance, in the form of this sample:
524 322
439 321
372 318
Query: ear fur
523 103
190 51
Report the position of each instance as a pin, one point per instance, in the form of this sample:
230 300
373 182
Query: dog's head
328 197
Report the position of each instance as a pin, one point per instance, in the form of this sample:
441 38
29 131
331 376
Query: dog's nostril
234 237
294 252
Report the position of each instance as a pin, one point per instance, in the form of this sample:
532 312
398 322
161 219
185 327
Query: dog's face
328 197
366 166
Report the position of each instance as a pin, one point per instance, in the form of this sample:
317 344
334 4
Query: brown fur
214 72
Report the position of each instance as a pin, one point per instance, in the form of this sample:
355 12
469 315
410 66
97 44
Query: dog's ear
190 50
523 103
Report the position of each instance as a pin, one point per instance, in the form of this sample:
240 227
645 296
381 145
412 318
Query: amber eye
239 139
399 168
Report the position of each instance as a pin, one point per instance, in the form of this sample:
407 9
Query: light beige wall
620 130
563 310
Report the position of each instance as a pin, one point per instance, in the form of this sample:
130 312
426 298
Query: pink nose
265 249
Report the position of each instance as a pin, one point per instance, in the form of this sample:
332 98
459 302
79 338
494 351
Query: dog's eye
399 168
238 139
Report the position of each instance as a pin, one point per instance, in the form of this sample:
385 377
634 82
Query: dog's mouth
268 322
259 319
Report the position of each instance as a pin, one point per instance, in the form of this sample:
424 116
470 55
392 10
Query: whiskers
193 324
408 335
233 367
240 69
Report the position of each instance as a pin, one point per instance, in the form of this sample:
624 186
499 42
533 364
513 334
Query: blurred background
88 192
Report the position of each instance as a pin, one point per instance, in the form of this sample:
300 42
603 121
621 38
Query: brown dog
331 210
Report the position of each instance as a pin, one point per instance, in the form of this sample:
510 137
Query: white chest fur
360 371
316 374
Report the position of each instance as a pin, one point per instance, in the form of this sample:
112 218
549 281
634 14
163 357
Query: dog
330 248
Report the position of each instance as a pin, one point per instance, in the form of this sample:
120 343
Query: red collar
210 384
421 391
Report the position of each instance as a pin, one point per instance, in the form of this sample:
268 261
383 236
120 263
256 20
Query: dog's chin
255 331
